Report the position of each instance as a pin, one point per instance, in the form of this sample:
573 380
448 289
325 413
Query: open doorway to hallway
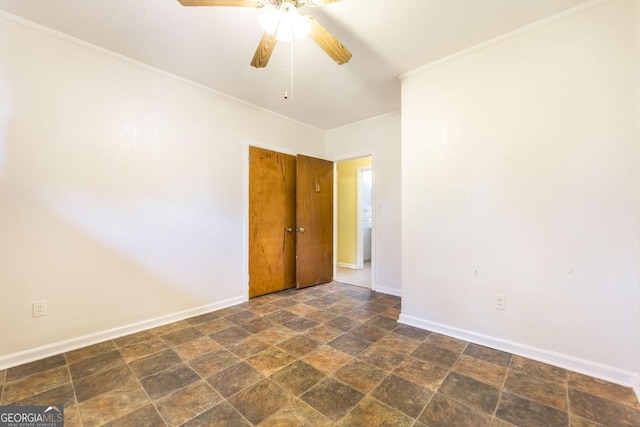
354 218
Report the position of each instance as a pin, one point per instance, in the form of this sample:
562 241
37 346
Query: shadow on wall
89 286
5 104
110 229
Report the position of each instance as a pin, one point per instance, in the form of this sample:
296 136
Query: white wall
121 196
520 178
380 137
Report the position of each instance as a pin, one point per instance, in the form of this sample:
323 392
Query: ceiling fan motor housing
296 3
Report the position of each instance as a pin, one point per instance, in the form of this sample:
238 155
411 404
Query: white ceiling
213 46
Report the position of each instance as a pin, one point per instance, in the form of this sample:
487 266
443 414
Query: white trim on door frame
335 161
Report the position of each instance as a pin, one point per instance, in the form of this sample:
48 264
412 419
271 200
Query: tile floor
328 355
355 277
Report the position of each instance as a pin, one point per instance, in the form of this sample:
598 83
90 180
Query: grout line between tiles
504 382
73 387
4 383
153 403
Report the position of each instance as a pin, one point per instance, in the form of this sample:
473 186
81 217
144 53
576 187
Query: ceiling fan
281 21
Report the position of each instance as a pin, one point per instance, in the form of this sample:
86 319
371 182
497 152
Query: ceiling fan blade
328 42
245 3
264 50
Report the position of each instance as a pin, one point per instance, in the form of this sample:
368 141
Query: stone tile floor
328 355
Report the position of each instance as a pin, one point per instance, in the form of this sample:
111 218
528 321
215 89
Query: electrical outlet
498 302
39 308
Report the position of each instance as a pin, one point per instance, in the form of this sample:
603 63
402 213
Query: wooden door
272 219
314 219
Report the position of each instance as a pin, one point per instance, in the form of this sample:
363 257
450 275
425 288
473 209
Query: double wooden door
290 221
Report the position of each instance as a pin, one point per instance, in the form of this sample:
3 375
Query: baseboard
572 363
48 350
389 291
345 265
359 285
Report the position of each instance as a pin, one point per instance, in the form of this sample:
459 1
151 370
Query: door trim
359 218
374 205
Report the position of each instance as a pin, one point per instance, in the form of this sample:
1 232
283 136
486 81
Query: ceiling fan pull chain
291 70
286 83
288 71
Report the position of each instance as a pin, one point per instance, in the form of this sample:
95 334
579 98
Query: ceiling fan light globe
285 33
270 19
301 28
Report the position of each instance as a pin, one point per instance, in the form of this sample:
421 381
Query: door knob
300 229
288 229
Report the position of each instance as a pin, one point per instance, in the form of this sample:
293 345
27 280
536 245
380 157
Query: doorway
354 228
290 224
